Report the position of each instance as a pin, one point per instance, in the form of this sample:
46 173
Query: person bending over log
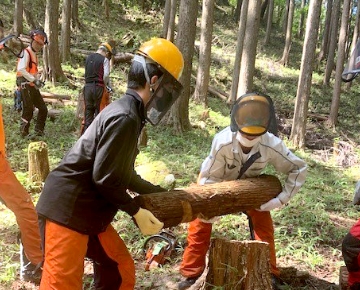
243 149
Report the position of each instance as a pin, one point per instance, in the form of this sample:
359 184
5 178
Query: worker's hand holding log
206 201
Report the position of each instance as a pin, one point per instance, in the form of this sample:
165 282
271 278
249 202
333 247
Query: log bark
238 265
343 278
38 161
55 96
210 200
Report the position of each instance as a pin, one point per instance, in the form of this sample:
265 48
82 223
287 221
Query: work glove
38 84
147 222
357 194
271 204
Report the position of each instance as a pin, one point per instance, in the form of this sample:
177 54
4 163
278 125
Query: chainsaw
158 249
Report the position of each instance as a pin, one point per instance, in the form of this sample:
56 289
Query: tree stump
239 265
343 278
38 161
210 200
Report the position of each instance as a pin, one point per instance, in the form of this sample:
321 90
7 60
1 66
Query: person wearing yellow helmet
244 149
97 80
82 195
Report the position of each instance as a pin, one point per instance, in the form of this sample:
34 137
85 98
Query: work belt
21 82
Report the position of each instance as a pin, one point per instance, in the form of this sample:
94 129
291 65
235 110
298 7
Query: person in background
84 192
246 138
97 82
29 83
351 248
18 200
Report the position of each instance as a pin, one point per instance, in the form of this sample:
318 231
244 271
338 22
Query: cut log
343 278
210 200
55 96
38 161
238 265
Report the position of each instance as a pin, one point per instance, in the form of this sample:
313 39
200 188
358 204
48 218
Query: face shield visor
167 91
251 115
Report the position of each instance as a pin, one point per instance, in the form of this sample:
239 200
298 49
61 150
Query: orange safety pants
198 239
66 249
18 200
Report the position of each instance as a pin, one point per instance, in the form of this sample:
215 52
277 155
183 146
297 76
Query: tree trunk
29 18
237 11
285 57
75 23
269 22
65 30
302 19
38 161
326 32
332 41
203 73
178 115
285 16
334 110
249 51
52 66
167 11
355 35
236 265
210 200
18 17
239 51
304 84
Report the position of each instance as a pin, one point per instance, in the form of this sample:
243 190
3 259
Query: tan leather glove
147 222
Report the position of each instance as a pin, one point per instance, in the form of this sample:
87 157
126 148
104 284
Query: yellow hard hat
107 46
164 53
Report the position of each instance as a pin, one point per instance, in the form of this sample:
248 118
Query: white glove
147 222
271 204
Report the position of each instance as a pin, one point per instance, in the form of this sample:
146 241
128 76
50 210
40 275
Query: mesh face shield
167 91
251 114
163 98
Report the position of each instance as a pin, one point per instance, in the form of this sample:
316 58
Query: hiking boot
32 274
28 271
36 136
188 282
276 282
24 129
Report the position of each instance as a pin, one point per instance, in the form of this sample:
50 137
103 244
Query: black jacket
88 187
94 69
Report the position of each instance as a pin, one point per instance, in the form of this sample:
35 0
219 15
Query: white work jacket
226 159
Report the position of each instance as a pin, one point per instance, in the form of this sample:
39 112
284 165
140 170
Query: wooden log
238 265
55 96
343 278
38 161
210 200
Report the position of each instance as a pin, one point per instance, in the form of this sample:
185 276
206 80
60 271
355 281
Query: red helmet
39 36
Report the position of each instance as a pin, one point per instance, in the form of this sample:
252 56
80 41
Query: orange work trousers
65 251
198 239
18 200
